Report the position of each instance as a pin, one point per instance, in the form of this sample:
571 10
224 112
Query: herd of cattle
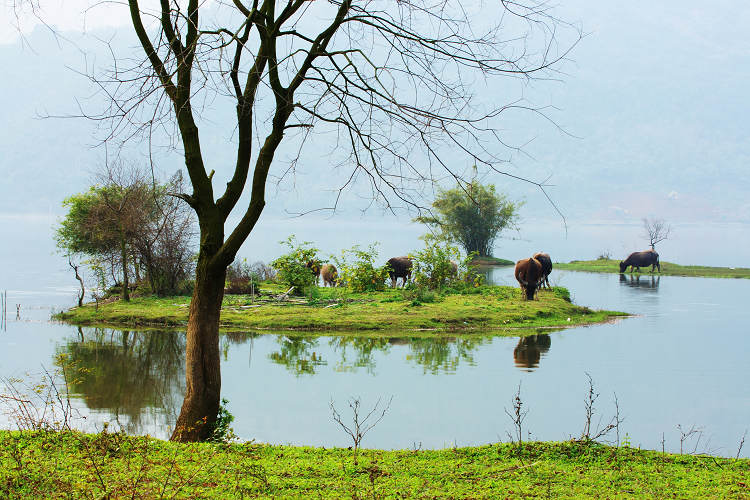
531 274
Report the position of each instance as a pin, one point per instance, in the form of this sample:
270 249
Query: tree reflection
443 353
363 350
298 354
529 350
127 372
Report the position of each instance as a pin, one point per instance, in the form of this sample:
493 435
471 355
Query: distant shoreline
612 266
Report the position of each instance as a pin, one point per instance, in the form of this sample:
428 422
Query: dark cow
329 273
529 275
400 268
314 266
529 351
454 269
636 260
546 262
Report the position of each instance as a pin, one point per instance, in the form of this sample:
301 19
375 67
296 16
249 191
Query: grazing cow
329 273
546 262
636 260
400 268
529 275
314 266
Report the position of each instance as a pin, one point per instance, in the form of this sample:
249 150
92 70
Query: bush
241 279
357 269
434 267
291 267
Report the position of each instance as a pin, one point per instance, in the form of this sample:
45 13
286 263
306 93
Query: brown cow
546 262
400 268
529 274
329 273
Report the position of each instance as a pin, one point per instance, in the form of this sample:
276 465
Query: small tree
656 230
472 215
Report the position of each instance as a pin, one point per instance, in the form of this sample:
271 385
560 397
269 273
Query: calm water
682 360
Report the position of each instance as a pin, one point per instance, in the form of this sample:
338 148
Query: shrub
433 267
357 269
241 279
291 267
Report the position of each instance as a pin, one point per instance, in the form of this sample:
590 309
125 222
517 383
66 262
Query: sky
650 120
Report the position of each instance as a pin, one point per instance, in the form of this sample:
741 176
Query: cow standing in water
636 260
529 274
546 261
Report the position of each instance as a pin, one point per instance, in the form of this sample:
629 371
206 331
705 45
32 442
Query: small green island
496 309
667 269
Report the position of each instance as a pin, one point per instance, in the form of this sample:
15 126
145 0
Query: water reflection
529 351
126 373
646 283
443 354
304 355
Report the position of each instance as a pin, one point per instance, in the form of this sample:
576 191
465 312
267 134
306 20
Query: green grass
485 308
108 465
667 269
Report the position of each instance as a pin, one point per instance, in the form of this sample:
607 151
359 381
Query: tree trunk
202 361
124 256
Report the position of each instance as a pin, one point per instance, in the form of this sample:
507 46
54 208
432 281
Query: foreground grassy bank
667 269
486 308
106 465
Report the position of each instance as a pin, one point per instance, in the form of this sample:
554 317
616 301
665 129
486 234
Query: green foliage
222 432
291 267
439 265
357 269
472 216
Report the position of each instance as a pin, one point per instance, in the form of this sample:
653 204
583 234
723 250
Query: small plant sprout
590 433
518 415
360 426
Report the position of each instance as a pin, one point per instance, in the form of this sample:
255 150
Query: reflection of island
301 355
529 350
647 283
297 354
443 353
127 373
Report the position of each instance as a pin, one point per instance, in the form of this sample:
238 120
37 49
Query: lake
682 360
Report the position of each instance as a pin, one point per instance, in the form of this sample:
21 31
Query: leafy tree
357 270
472 216
127 222
391 81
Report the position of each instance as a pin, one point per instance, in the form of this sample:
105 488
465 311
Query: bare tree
394 83
656 230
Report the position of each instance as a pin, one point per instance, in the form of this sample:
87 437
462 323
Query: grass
44 464
485 308
667 269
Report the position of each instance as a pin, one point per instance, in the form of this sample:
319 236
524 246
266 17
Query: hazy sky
654 103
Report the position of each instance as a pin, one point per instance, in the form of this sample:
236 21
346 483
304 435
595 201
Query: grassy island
46 464
667 269
337 309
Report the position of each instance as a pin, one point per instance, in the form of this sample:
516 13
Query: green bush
291 267
357 269
434 267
